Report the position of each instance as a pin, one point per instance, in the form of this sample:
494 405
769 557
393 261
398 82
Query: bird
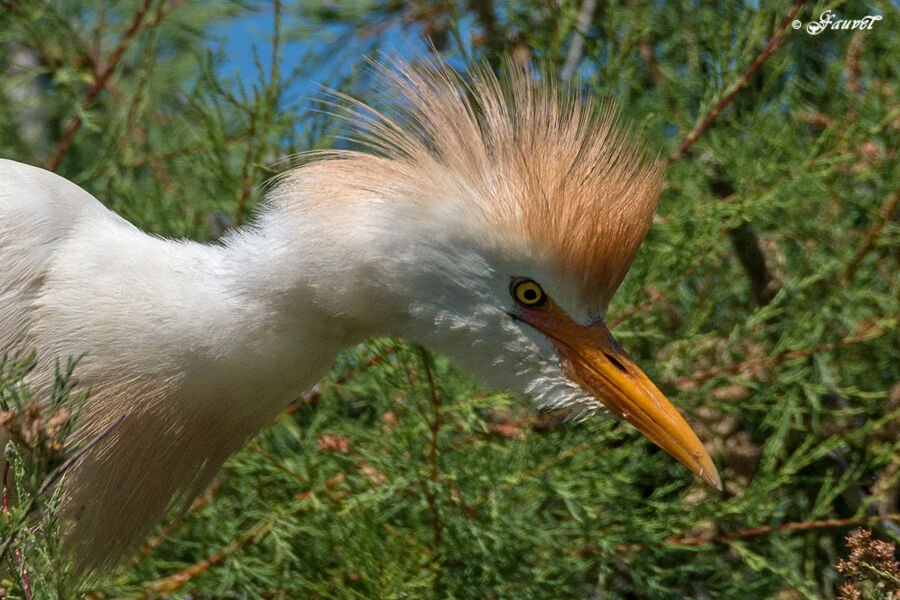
488 217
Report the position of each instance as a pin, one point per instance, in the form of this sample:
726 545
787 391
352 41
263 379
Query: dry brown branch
487 17
645 49
576 47
737 86
750 254
866 334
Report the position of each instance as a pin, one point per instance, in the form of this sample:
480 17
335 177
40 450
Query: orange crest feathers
534 162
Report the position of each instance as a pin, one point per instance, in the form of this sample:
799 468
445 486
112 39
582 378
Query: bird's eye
528 292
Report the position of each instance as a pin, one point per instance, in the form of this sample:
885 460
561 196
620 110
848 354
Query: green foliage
35 430
764 302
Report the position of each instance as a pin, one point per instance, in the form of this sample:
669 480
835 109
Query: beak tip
711 476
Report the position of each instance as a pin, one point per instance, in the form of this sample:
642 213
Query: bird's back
38 212
164 333
47 275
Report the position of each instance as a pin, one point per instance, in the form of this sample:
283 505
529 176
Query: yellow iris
528 292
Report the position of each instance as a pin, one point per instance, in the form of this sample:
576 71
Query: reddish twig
271 97
174 582
333 497
20 560
276 41
278 464
103 73
167 156
766 529
246 174
884 214
862 336
732 91
178 580
168 529
163 11
435 426
5 496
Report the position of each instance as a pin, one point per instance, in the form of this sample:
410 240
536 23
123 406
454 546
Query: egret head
495 220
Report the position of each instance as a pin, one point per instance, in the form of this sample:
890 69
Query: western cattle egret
490 220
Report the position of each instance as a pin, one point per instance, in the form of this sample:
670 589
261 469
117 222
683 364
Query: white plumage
200 346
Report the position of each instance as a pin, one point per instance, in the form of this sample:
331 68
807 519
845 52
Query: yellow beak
592 357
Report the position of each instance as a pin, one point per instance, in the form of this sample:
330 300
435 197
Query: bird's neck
310 279
295 297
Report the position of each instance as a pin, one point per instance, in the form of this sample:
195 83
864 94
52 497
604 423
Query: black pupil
530 294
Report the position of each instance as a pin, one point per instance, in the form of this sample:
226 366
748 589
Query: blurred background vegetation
764 302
